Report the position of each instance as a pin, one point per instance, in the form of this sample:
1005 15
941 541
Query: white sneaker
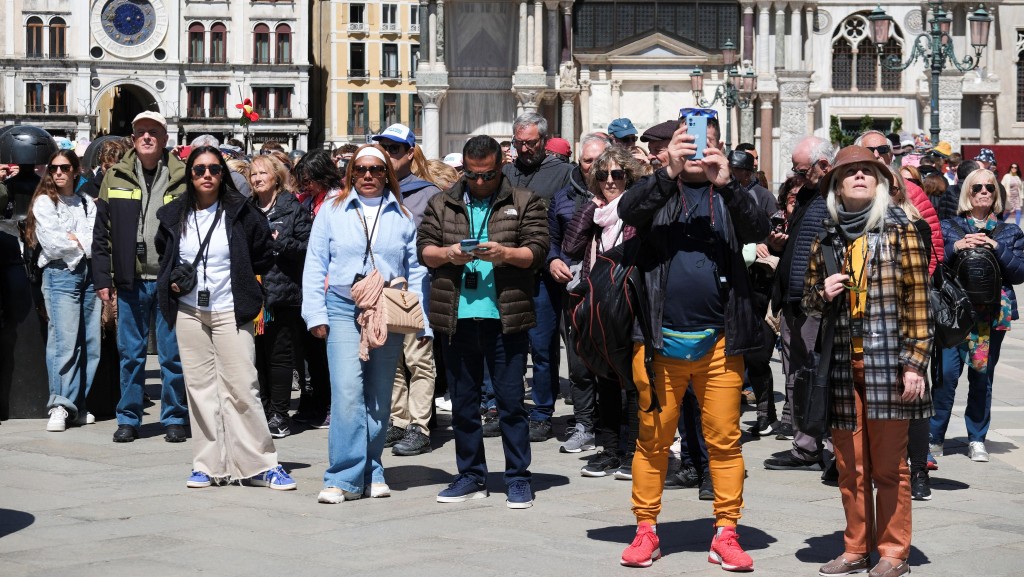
84 418
377 491
58 420
976 452
334 495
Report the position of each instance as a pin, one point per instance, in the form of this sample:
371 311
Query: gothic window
34 37
58 38
283 43
218 43
261 44
196 42
857 64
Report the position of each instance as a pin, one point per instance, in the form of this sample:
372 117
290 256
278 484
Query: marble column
425 44
524 31
795 41
431 100
438 38
538 35
988 119
809 27
747 124
616 99
748 30
529 98
551 55
950 102
432 33
794 97
568 116
531 37
763 26
585 105
566 6
766 161
780 36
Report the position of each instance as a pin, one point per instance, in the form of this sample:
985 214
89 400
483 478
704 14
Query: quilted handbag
402 311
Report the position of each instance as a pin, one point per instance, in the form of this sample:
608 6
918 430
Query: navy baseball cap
621 128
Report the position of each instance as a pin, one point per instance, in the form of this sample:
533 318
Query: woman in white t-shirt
59 225
226 240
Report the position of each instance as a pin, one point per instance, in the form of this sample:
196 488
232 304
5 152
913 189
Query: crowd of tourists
388 286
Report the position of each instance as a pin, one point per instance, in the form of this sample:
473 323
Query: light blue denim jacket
336 247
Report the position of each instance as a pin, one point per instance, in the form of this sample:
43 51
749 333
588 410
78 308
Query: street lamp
934 47
736 92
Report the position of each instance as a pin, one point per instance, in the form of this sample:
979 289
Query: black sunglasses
617 174
976 188
394 149
65 168
884 149
200 169
375 170
472 176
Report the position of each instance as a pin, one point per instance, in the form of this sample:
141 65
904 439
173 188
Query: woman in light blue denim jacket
357 230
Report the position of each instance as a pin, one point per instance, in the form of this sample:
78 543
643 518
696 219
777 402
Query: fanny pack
688 346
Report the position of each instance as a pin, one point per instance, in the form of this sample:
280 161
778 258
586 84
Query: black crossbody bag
184 275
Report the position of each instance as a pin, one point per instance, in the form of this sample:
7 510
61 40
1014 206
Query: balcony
218 112
34 55
358 27
358 129
282 113
194 112
414 29
58 109
358 74
390 28
35 108
390 76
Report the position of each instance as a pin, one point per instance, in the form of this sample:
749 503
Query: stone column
551 55
809 26
538 35
950 100
795 40
432 34
748 30
794 96
568 116
585 106
763 25
616 98
767 141
439 37
529 98
780 36
531 37
431 100
988 119
425 44
566 6
524 30
747 124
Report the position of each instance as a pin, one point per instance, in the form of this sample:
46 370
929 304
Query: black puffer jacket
807 222
283 284
249 244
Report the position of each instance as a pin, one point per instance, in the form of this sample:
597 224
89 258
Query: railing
282 113
392 75
389 28
46 108
58 108
414 29
358 27
358 128
358 74
196 113
35 108
34 55
196 59
218 112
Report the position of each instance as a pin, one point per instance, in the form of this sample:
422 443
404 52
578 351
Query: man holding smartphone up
484 240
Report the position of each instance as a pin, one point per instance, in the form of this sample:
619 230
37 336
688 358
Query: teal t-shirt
481 302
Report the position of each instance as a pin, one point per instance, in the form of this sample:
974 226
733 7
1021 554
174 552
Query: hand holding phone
697 126
469 244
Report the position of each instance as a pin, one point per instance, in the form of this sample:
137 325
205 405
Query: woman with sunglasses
1012 183
279 325
213 230
975 226
60 225
596 229
878 298
361 230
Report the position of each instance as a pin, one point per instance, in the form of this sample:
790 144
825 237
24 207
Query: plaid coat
897 323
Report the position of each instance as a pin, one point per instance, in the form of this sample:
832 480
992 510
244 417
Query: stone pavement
75 503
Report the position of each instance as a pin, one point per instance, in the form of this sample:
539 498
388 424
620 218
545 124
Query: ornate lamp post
736 92
934 47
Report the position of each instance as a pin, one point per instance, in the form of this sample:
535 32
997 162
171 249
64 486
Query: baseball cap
453 160
986 155
621 128
663 131
560 146
150 115
906 142
397 133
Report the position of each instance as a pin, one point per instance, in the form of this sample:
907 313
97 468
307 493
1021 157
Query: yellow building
365 55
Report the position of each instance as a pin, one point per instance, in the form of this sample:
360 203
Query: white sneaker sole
562 449
463 498
979 458
54 427
655 555
197 484
594 474
717 560
525 505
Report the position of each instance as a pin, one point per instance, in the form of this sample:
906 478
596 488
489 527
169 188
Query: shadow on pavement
684 536
942 484
827 547
12 521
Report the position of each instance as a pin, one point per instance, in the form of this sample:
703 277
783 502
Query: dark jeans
315 400
799 335
582 385
759 374
544 347
611 415
978 414
693 449
275 358
478 343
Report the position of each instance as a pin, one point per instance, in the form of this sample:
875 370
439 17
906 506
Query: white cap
150 115
453 160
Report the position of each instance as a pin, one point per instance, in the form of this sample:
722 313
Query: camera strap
204 247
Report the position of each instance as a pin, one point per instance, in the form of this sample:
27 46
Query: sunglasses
375 170
473 176
976 188
198 170
617 174
707 112
55 168
394 149
884 149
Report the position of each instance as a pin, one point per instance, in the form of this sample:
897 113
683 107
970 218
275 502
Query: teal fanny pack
688 346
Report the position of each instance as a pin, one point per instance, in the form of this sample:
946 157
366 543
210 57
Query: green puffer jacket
517 220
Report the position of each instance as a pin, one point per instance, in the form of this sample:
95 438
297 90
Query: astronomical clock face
129 28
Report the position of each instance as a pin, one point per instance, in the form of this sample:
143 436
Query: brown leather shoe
840 566
886 569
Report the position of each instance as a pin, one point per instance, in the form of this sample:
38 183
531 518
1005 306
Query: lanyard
204 255
368 252
487 216
711 206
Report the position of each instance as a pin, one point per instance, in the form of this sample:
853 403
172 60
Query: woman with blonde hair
362 235
442 175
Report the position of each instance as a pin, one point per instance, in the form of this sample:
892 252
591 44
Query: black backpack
951 308
977 270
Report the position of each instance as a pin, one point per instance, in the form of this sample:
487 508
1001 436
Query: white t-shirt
370 208
215 274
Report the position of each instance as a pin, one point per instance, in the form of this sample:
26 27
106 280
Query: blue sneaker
276 478
462 488
198 480
520 495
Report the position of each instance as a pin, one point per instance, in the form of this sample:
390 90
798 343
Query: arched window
261 44
857 63
283 54
218 43
34 38
196 42
58 38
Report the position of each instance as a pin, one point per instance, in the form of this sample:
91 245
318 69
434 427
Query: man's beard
531 162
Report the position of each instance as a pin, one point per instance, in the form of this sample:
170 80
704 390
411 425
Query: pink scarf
373 330
607 217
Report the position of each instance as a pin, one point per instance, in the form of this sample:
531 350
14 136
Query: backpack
977 270
951 308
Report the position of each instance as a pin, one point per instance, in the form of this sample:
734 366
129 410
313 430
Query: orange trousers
874 455
717 380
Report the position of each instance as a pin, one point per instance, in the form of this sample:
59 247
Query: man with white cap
125 259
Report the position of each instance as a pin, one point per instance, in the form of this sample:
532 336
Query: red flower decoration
248 114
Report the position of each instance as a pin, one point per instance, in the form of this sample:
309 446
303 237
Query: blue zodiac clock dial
128 22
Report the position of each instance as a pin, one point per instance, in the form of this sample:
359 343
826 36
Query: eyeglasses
154 132
617 174
707 112
198 170
884 149
802 172
375 170
55 168
527 143
976 188
486 176
394 149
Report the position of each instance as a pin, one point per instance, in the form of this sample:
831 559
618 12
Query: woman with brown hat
878 300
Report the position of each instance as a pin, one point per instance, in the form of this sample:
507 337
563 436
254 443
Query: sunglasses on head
472 176
375 170
708 112
198 170
617 174
976 188
65 168
883 149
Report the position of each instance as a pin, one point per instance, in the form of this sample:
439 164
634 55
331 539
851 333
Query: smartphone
698 127
482 249
468 245
778 224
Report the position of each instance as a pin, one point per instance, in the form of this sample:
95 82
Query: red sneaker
726 551
644 549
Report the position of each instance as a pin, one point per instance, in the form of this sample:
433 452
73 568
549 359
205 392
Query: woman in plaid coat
883 339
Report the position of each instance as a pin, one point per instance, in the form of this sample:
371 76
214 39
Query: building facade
83 68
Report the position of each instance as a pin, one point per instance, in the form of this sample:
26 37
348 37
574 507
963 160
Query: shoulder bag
402 311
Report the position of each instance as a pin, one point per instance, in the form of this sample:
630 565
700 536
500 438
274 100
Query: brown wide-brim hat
854 155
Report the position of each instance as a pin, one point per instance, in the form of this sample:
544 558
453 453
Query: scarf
373 329
852 225
607 217
990 318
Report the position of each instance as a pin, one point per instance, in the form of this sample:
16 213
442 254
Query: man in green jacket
125 259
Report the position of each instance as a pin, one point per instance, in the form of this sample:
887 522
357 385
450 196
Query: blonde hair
239 166
879 204
419 165
899 198
273 166
980 176
442 175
